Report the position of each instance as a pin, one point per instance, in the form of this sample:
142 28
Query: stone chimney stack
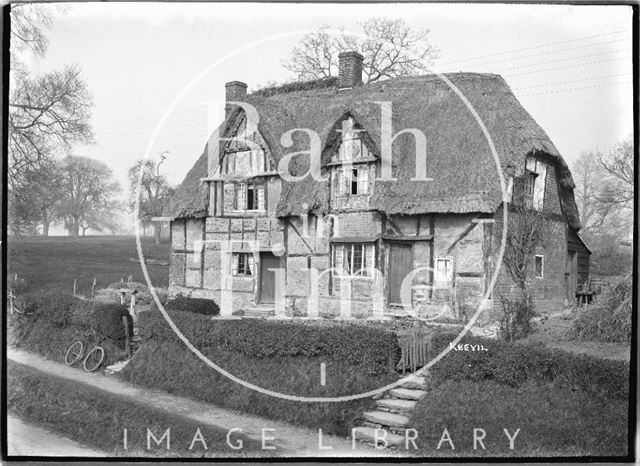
350 74
236 91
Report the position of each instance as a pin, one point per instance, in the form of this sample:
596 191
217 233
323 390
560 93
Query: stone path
290 440
392 415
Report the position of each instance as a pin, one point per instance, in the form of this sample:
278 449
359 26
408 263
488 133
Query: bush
514 364
171 367
367 347
206 307
515 322
553 419
608 318
97 418
51 321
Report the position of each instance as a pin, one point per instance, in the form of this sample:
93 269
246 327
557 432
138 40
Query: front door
268 277
400 265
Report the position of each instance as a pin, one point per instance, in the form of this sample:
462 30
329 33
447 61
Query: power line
577 88
577 65
593 78
549 44
522 57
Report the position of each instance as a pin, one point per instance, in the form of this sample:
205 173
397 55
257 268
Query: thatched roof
458 155
191 199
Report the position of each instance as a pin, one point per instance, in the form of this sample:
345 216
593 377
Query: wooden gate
416 349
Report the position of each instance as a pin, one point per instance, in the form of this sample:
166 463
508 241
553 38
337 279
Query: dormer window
249 195
353 181
535 178
352 168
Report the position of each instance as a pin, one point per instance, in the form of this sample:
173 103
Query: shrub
106 320
171 367
553 419
367 347
97 418
608 318
514 364
51 321
515 322
206 307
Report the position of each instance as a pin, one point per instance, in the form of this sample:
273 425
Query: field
58 261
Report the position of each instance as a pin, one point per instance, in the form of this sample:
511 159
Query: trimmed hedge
206 307
366 347
513 364
51 321
97 418
171 367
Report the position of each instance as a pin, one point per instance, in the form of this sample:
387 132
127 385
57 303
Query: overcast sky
570 66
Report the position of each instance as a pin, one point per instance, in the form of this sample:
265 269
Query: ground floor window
539 264
444 269
356 259
243 264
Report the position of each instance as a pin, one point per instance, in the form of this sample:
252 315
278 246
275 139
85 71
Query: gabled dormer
352 167
240 181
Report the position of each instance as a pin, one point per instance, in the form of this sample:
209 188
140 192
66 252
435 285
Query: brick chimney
236 91
350 74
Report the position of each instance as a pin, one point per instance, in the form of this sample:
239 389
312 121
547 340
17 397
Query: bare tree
588 176
391 49
155 192
89 188
525 233
48 113
37 192
618 166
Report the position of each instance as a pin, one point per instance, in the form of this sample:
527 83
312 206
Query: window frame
535 266
348 177
248 264
245 187
367 251
449 270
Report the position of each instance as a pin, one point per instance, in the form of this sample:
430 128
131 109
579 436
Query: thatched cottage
355 235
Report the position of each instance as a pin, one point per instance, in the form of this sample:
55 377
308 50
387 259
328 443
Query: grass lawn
59 260
553 421
97 419
553 333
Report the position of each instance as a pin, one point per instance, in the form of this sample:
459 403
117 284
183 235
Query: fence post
125 322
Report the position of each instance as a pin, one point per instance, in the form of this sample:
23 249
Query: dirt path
290 440
28 440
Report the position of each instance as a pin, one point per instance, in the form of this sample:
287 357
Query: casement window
352 181
444 269
529 184
356 259
539 266
249 196
243 264
535 181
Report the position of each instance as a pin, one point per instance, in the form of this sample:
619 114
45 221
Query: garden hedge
356 345
50 321
515 363
206 307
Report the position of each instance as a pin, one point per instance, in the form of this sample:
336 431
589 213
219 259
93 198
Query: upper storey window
352 168
535 182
